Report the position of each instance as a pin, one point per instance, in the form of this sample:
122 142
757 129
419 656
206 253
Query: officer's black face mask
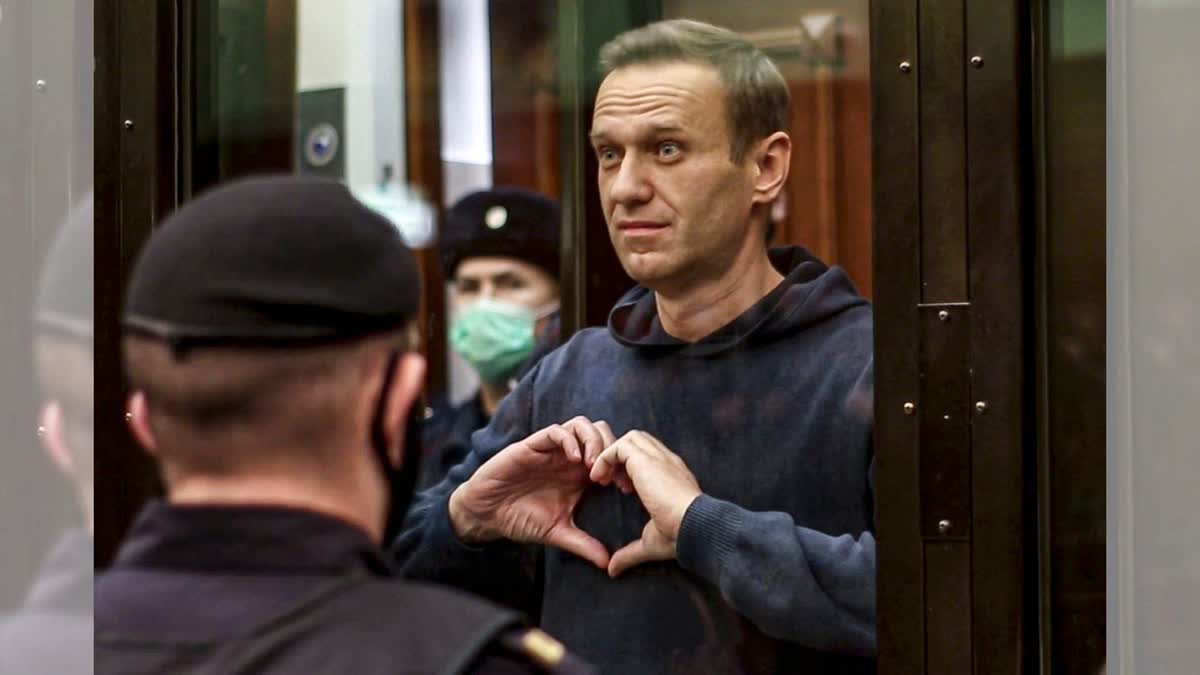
401 482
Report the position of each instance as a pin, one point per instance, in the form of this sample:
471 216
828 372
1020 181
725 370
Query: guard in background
268 337
500 250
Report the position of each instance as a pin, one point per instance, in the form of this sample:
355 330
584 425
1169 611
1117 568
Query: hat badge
496 217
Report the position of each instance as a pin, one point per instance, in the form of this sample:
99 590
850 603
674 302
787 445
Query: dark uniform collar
470 416
247 539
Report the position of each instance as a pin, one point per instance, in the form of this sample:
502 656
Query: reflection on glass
349 86
46 338
1075 315
1153 355
821 49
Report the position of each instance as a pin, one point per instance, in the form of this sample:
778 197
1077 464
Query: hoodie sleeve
793 583
427 548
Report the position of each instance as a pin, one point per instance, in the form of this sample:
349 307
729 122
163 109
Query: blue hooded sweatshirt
772 414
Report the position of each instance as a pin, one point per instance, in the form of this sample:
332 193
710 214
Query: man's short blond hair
218 409
756 95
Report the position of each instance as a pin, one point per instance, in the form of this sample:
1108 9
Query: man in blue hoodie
708 505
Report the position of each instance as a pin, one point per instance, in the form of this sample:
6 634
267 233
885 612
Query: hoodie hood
810 293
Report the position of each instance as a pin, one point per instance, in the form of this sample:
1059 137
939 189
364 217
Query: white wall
321 44
358 45
466 83
466 108
1153 331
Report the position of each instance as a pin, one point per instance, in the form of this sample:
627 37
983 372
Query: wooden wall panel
423 133
525 106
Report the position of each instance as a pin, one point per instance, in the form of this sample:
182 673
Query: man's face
507 279
676 204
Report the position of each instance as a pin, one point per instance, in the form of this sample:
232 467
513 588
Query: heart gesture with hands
528 492
663 483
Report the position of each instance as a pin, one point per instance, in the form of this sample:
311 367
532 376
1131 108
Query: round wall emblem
321 146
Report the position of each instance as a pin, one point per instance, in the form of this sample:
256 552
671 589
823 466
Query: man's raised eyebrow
655 129
660 129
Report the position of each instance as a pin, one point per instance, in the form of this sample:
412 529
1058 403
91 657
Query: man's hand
663 483
527 492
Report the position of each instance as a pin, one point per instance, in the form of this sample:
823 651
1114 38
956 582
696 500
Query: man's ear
772 160
53 434
137 414
407 382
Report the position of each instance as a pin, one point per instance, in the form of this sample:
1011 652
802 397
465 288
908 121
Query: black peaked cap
505 221
272 259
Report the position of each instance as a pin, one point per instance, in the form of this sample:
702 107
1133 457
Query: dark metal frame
1037 188
896 190
953 347
572 129
135 185
192 72
1000 270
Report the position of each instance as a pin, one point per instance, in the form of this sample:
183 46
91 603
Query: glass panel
467 164
46 335
734 426
358 89
1074 324
319 87
1153 357
821 48
242 84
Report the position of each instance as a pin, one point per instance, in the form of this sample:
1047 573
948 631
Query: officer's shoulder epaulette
546 652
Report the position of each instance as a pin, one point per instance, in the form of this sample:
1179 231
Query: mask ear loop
545 313
378 433
401 481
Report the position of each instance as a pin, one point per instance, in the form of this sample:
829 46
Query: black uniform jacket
446 438
277 590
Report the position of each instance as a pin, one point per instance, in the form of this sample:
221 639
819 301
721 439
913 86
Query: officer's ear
405 392
53 434
138 417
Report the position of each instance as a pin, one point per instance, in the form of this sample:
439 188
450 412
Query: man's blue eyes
669 149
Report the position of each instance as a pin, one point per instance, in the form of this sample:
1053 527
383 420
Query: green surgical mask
495 337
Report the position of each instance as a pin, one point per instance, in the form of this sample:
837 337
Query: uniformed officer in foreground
269 340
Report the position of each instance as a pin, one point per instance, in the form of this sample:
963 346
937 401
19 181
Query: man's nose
630 186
